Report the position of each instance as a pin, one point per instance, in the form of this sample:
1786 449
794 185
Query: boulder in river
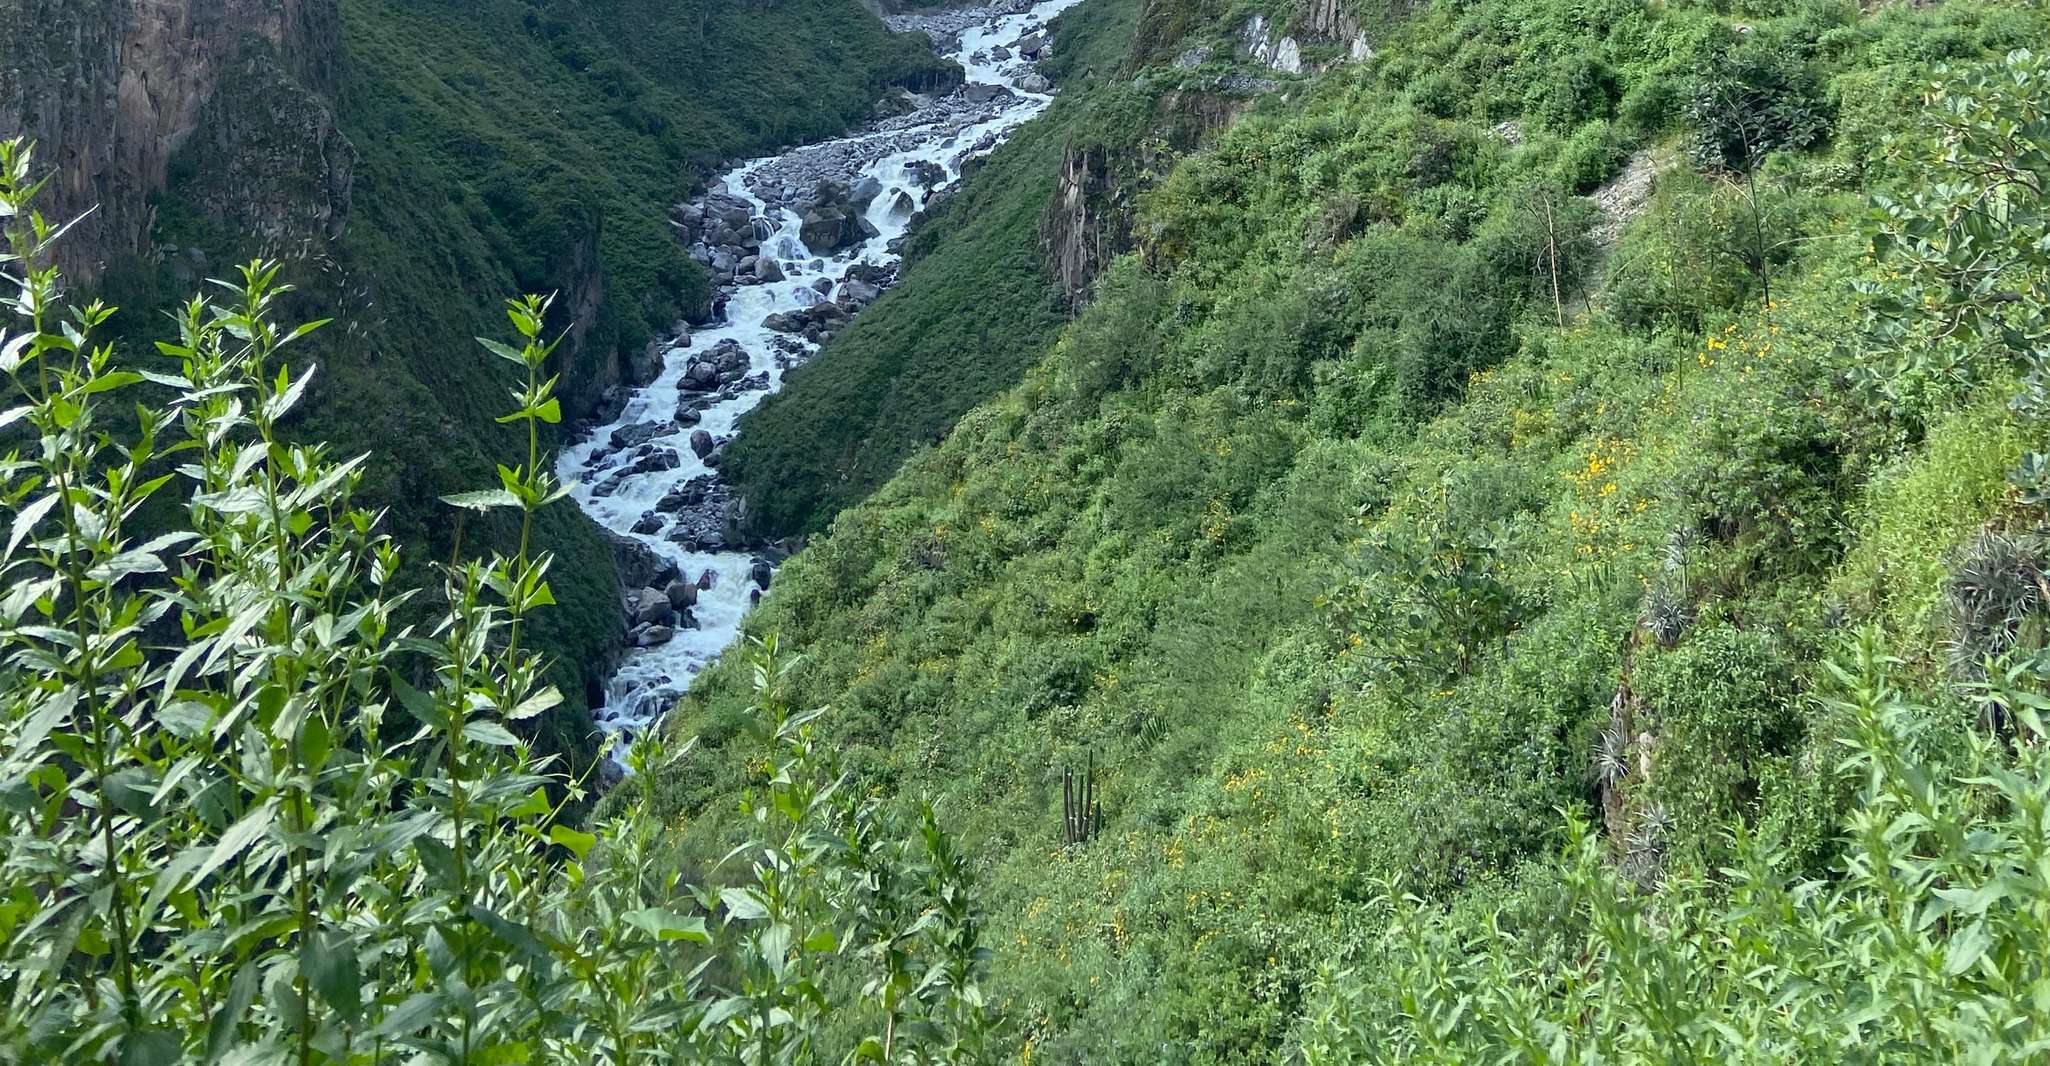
767 271
649 607
925 173
857 294
701 443
657 459
639 565
636 435
979 92
827 229
701 377
864 192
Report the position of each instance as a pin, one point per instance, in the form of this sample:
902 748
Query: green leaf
1966 949
149 1047
136 561
668 925
220 1032
439 860
579 843
536 703
502 350
482 500
25 520
284 400
235 841
109 382
410 1016
722 1010
487 731
329 963
743 904
420 705
514 935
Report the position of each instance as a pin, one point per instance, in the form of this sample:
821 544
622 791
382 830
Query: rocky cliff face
115 89
1089 222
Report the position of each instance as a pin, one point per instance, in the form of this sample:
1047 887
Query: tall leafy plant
249 815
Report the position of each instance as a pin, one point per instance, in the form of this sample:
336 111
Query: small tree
1966 250
1754 100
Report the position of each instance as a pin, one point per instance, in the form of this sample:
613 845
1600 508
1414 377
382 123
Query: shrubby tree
1964 290
249 814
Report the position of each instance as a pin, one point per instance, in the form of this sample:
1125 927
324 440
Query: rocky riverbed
798 243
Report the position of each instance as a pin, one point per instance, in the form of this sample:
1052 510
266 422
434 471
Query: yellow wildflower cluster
1246 781
1597 522
1216 521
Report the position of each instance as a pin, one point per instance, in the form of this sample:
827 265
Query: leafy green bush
1924 946
249 817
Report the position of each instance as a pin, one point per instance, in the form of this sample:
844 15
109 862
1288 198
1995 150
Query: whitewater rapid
901 153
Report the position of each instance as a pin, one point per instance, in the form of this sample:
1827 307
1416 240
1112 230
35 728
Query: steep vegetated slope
989 278
418 163
1492 430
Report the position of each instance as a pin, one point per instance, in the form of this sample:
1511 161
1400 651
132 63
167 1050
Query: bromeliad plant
250 813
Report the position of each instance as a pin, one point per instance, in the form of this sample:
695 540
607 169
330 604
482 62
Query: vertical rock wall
111 90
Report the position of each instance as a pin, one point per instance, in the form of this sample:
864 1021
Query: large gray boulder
648 606
855 295
827 229
864 192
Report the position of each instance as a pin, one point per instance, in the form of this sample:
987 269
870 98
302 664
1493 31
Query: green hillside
513 146
1507 428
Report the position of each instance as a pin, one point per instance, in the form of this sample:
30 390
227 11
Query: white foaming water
649 680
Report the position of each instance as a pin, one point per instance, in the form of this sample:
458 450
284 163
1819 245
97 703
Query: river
651 474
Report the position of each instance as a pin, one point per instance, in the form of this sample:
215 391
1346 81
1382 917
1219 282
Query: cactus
1081 814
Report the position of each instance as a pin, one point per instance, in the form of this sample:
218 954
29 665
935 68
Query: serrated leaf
416 1011
110 382
220 1031
503 350
25 520
722 1010
329 963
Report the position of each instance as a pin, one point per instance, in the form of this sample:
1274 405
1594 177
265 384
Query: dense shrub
248 816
